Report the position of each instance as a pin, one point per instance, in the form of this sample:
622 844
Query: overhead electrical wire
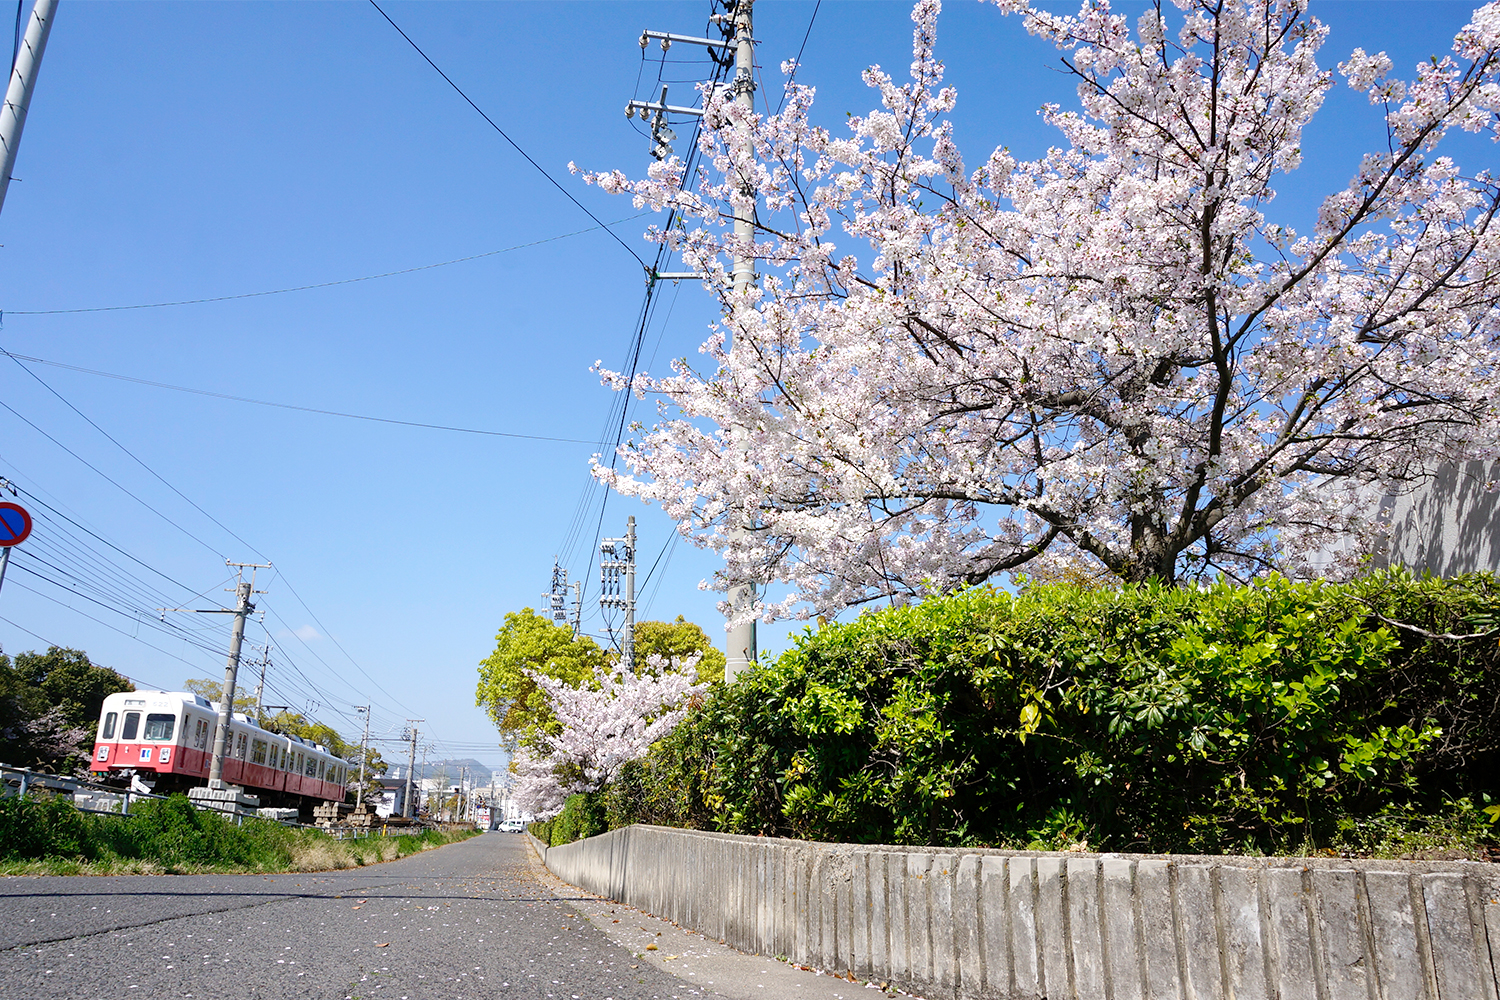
33 498
516 146
94 468
797 63
49 642
320 284
18 358
663 254
111 481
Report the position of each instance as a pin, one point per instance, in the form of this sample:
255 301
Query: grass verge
46 835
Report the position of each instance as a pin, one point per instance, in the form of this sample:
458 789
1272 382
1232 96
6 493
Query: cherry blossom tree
601 726
1111 355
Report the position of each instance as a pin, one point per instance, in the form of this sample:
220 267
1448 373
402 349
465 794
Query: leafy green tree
529 642
213 689
49 705
680 638
71 681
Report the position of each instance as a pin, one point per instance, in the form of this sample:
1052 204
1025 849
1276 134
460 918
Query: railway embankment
41 834
960 923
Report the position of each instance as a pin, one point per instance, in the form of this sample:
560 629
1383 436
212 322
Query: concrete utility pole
411 765
242 610
260 689
22 86
739 646
364 742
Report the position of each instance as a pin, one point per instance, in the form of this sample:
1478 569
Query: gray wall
953 923
1451 525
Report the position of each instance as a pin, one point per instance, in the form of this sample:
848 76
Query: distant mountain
477 772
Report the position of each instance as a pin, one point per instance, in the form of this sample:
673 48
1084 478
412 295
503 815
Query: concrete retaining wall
954 923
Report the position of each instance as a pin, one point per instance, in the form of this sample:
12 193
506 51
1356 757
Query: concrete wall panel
1122 930
1036 926
1291 934
1198 927
1153 900
1025 937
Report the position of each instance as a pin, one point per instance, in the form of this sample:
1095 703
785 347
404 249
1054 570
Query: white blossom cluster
1110 354
601 726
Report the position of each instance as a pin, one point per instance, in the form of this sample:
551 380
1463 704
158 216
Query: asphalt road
473 919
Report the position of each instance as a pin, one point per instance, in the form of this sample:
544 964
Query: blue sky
183 151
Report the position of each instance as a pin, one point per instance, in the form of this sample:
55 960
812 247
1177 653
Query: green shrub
1273 717
171 834
583 815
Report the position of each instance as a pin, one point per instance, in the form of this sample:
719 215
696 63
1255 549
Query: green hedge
583 815
1269 718
174 835
170 832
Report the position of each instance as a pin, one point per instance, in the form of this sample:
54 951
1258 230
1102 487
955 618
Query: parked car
512 826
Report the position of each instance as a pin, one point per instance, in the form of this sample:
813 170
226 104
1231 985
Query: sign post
15 528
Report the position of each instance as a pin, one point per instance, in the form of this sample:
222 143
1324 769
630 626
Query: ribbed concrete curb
1039 926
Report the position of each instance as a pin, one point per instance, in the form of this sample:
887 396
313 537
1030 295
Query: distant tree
213 690
68 679
49 705
530 644
675 642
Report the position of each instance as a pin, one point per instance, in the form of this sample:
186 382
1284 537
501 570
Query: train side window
110 719
299 763
159 726
322 766
239 747
200 739
132 723
258 752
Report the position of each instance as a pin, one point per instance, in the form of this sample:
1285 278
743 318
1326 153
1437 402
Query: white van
512 826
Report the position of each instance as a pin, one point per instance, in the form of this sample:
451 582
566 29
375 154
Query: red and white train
167 738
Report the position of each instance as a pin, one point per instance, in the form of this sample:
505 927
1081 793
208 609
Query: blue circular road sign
15 524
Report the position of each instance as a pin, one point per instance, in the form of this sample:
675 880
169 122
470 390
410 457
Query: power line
126 450
331 638
116 485
797 64
18 358
321 284
38 500
566 193
49 642
280 575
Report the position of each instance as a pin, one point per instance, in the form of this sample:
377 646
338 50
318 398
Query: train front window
132 723
110 719
159 726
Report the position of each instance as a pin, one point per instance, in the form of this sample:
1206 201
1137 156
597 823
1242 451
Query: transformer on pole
617 584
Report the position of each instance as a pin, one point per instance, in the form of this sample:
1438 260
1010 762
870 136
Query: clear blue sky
182 151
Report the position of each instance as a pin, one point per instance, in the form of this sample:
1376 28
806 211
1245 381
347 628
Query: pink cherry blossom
601 727
1113 353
